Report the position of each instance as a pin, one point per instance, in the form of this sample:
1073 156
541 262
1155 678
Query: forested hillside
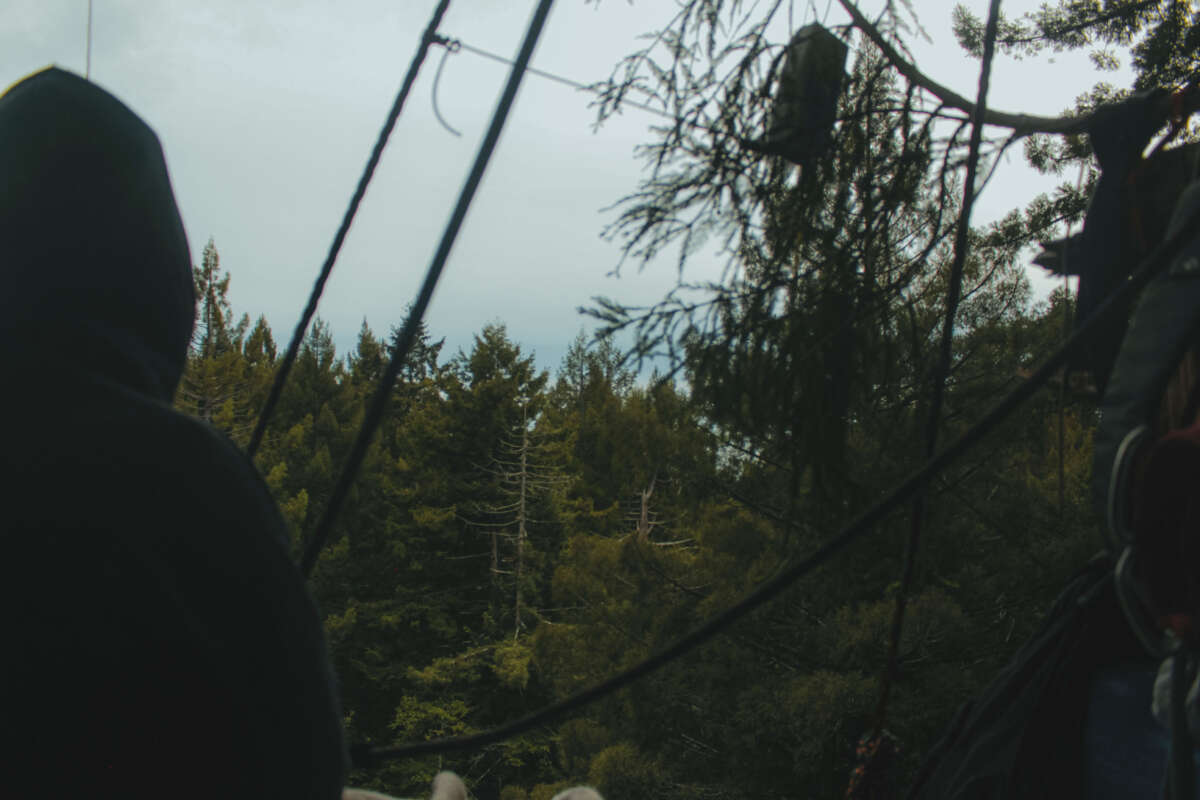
515 536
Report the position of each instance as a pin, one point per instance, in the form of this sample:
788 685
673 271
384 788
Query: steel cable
289 359
942 370
404 342
1104 315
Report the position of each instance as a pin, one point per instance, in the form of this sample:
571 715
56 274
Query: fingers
579 793
448 786
364 794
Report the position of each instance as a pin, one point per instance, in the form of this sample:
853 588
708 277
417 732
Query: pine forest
516 535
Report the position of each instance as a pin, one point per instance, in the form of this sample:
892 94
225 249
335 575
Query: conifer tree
524 474
217 385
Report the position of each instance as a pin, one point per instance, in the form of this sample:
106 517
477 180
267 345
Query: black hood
95 271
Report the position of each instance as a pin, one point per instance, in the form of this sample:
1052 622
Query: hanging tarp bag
805 106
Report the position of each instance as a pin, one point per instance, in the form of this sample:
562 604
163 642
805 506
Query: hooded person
158 641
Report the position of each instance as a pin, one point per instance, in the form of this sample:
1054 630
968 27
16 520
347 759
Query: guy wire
289 358
942 370
379 402
1099 320
87 72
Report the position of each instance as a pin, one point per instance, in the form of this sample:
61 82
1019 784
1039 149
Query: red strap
1177 110
1182 625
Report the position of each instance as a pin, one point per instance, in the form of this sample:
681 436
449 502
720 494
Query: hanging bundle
806 99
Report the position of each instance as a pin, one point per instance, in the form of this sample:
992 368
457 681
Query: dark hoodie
157 639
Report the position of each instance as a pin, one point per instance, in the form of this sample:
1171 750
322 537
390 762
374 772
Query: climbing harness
1140 482
999 743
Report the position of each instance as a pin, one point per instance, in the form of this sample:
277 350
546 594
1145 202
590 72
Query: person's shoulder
145 423
214 470
83 433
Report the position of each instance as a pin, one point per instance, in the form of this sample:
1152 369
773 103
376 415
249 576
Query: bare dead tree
523 474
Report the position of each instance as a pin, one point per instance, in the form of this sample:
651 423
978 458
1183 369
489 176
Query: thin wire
750 144
458 44
942 372
1104 316
437 79
446 41
289 358
87 73
1062 389
379 402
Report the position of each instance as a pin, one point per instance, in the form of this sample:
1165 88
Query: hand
446 786
579 793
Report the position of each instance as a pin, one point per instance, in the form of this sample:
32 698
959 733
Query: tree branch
1023 124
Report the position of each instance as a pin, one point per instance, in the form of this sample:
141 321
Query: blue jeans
1125 747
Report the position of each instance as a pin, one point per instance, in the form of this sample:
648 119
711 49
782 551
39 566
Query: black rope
403 344
289 358
942 371
1104 315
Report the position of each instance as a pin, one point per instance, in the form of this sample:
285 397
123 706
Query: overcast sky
267 111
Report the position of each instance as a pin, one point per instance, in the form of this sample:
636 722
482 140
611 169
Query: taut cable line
87 71
366 756
942 368
379 402
289 359
454 45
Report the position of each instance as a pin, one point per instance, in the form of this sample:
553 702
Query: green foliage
227 373
622 771
512 665
1072 25
547 791
514 538
646 509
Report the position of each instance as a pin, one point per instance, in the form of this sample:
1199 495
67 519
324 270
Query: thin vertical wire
1062 390
87 73
1062 405
942 370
